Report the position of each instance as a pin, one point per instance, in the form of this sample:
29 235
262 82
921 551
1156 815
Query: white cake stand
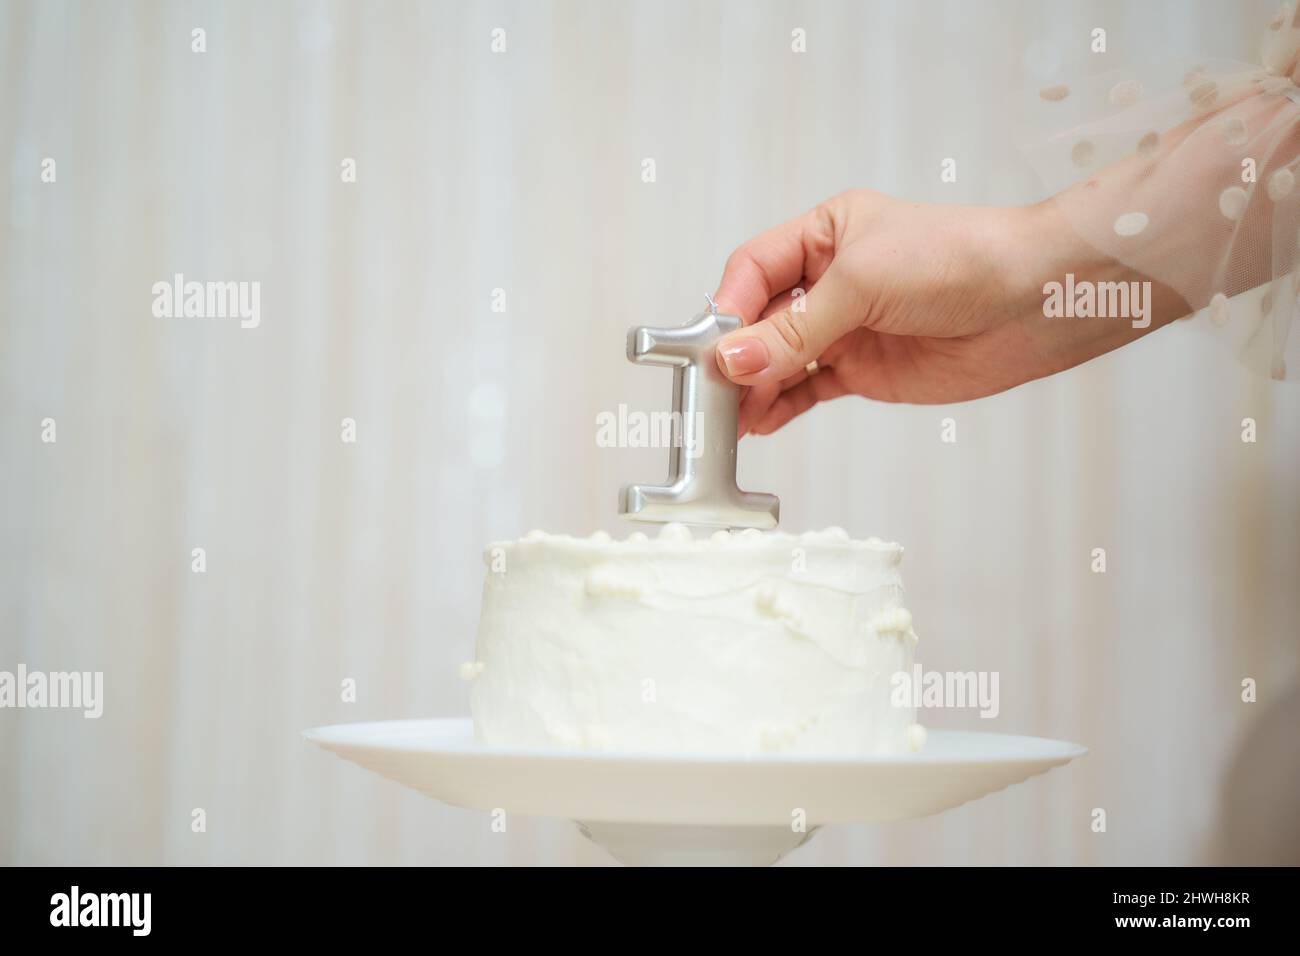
664 809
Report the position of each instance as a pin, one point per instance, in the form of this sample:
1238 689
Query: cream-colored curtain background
521 171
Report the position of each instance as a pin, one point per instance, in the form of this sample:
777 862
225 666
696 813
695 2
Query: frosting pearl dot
675 531
600 537
637 537
1055 93
1149 143
894 619
1280 184
1131 223
720 537
1232 202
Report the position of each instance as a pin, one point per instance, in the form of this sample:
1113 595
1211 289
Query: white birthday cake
740 642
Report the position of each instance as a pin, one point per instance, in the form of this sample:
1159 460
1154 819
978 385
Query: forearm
1178 222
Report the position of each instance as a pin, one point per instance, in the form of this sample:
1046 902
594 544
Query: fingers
787 340
756 400
758 285
755 405
759 398
821 387
775 261
782 302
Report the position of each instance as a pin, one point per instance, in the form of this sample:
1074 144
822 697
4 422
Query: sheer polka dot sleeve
1189 177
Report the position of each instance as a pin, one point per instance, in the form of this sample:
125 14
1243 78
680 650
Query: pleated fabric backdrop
521 171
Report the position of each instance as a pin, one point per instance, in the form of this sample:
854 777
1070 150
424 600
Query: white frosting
736 643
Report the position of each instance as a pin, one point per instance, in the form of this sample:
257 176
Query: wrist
1074 301
1022 258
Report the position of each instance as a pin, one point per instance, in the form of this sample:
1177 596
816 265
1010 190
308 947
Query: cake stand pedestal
684 809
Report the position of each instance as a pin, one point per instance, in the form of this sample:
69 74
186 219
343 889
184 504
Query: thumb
776 347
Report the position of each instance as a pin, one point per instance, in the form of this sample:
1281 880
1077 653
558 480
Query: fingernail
744 356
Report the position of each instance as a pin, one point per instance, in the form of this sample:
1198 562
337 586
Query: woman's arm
911 302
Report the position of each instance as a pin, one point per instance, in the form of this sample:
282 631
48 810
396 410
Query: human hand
905 302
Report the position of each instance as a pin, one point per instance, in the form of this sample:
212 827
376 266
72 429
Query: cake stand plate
692 808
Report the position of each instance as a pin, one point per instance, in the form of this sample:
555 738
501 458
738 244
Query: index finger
775 261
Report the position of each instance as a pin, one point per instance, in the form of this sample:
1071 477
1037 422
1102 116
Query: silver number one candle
701 487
